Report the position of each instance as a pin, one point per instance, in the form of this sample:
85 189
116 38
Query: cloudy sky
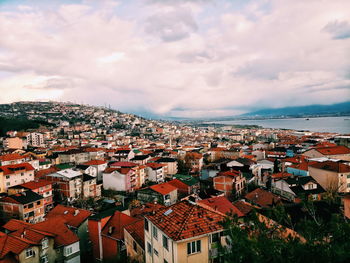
175 57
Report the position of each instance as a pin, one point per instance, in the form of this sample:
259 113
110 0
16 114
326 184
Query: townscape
91 184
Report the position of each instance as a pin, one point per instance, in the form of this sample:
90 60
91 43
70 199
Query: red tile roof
115 225
332 166
184 220
36 184
232 173
280 175
243 207
222 205
164 188
44 172
11 168
10 157
333 150
95 162
263 198
155 166
179 185
137 231
72 216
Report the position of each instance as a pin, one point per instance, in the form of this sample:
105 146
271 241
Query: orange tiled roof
11 168
72 216
332 166
222 205
115 225
36 184
184 220
164 188
95 162
262 197
333 150
179 185
10 157
137 231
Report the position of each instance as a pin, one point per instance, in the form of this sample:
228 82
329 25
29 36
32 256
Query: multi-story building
36 139
27 206
68 183
39 186
333 176
47 241
134 240
15 174
119 179
12 158
333 152
15 143
182 233
155 172
230 182
77 221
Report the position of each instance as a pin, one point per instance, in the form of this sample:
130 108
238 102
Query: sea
320 124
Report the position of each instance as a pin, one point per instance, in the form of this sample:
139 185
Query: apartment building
15 174
182 233
27 206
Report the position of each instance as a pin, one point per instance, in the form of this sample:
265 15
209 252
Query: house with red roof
182 188
164 193
27 206
11 158
77 220
230 182
262 198
49 241
94 168
220 204
120 179
334 176
155 172
39 186
113 244
183 232
15 174
333 152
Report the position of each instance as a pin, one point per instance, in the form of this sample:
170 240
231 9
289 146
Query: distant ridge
311 110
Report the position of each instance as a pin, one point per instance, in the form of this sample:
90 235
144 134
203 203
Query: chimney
76 212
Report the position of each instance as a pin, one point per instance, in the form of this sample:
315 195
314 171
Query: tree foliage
254 241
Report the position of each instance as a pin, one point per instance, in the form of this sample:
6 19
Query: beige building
15 143
182 233
15 174
333 152
331 175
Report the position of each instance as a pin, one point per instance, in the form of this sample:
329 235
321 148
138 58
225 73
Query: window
69 250
7 177
45 243
348 176
155 232
146 225
134 246
194 247
348 185
29 252
38 203
167 197
155 252
149 248
22 174
8 183
30 205
165 242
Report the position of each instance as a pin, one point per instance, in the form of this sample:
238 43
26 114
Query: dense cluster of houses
153 191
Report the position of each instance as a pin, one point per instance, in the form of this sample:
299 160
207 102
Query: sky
176 58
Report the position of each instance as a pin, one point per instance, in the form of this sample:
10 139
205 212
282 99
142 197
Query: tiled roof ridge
4 245
189 214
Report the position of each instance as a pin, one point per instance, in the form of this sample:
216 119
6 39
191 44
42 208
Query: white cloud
179 58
